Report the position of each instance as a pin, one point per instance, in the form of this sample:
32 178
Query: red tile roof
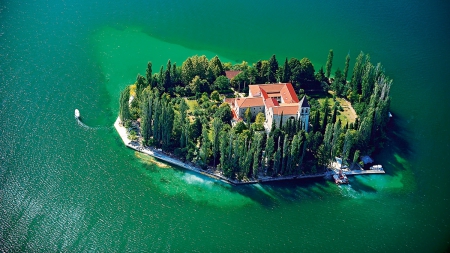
232 73
271 102
249 102
288 94
263 93
284 90
286 110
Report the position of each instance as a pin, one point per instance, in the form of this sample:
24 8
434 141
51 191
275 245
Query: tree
286 155
338 82
204 151
259 122
347 65
224 113
329 63
196 129
333 116
148 74
221 83
367 81
216 67
273 68
357 73
320 75
217 127
356 156
146 117
325 115
215 96
140 86
124 105
277 159
286 72
306 71
248 116
167 78
187 71
316 121
196 84
270 147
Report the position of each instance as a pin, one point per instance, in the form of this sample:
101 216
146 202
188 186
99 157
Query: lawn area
347 115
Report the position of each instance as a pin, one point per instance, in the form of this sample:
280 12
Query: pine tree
329 63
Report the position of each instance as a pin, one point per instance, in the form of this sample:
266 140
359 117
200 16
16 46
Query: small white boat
77 113
376 167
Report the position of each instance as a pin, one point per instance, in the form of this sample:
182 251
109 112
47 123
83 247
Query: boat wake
80 123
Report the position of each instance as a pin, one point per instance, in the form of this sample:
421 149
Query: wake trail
80 123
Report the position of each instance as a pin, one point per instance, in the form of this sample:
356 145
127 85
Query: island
258 123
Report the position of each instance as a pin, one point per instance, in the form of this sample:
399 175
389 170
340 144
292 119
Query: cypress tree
325 118
273 68
217 127
316 121
286 72
146 117
148 74
124 105
347 65
333 117
329 63
269 154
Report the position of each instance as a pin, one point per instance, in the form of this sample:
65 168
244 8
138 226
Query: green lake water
74 187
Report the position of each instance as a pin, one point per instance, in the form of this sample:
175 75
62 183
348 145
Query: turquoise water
65 187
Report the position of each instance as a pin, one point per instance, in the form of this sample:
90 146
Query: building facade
277 101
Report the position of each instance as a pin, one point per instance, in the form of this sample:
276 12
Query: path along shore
215 174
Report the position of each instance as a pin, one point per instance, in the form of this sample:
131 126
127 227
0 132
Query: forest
182 111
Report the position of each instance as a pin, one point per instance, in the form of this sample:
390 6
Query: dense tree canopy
177 114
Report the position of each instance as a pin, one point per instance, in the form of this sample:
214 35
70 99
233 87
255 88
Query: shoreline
217 175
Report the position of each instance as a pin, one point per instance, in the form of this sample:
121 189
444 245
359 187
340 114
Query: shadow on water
361 187
288 191
398 144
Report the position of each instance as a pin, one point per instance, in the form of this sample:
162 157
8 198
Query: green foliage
273 68
148 73
221 83
203 132
259 122
329 63
286 77
347 65
124 108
